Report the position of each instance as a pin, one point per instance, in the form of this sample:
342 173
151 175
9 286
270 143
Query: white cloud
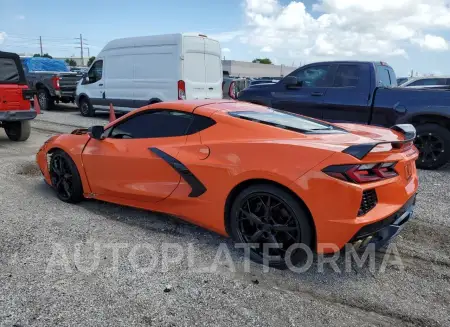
20 17
266 49
2 37
225 50
432 42
346 28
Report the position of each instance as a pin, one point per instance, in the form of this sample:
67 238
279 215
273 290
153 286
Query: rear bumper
65 94
382 232
17 115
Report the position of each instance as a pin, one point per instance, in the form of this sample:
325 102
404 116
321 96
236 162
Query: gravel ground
58 265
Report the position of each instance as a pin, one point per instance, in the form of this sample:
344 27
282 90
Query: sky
408 34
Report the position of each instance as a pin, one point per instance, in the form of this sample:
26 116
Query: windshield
286 120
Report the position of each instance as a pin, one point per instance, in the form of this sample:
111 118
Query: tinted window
285 120
8 71
385 78
96 72
347 76
153 124
429 81
314 76
200 123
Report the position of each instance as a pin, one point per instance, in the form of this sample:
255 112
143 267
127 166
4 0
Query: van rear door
12 83
194 69
213 67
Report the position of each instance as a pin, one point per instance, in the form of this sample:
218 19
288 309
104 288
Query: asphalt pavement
99 264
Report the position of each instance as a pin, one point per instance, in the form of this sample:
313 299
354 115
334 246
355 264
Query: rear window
8 71
386 76
286 120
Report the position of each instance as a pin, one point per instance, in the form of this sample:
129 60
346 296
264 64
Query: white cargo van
137 71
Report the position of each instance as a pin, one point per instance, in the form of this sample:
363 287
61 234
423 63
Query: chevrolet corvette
259 175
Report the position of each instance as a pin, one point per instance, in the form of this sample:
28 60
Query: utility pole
40 42
82 42
89 55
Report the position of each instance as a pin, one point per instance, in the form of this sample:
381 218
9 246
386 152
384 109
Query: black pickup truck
52 80
364 93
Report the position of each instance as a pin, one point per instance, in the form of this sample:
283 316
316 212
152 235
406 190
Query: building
249 69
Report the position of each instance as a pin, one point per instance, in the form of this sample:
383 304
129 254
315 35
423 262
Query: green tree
45 55
71 62
91 60
266 61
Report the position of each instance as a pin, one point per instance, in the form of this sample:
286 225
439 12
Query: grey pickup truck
52 80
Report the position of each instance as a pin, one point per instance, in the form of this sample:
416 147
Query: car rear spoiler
361 150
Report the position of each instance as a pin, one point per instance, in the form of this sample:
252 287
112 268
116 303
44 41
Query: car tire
433 143
45 100
18 131
65 178
86 108
284 205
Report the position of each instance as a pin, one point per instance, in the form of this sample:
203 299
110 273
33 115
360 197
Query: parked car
51 79
426 81
231 86
263 176
363 92
401 80
133 72
15 96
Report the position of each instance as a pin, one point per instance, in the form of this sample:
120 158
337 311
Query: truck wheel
18 130
433 143
86 108
45 100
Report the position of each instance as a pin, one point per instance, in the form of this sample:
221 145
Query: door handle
100 84
316 94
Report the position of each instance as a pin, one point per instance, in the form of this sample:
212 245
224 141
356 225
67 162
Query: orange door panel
128 169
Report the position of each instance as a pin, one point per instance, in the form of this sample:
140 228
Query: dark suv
15 96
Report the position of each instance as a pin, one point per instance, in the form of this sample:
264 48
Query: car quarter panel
321 192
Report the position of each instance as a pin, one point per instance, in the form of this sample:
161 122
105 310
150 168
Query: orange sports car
259 175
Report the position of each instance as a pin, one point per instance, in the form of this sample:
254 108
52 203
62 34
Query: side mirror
96 132
291 81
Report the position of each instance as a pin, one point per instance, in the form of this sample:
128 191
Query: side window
8 71
429 81
384 79
347 76
96 72
152 124
314 76
199 124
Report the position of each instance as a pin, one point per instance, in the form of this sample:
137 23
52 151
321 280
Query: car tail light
55 82
181 90
27 94
232 90
363 173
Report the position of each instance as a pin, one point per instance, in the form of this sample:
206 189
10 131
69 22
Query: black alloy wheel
61 177
430 147
65 178
266 214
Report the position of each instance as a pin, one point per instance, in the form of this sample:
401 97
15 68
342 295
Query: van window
96 72
8 71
